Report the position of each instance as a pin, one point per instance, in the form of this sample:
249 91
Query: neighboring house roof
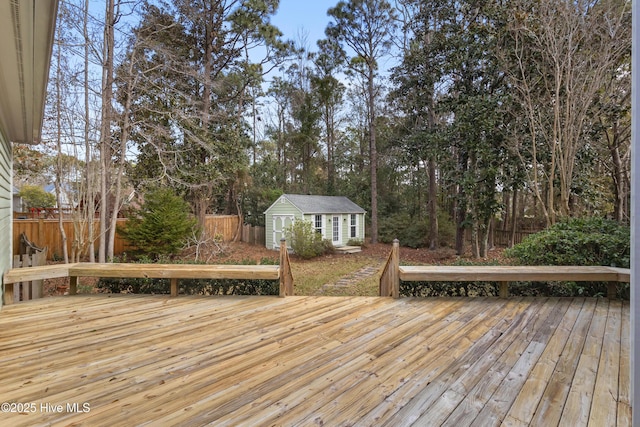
323 204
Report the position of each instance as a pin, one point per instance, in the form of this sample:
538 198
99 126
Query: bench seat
506 274
122 270
174 271
513 273
27 274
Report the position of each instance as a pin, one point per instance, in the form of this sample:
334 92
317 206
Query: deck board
155 360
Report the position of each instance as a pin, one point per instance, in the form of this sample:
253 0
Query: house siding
281 207
345 226
325 228
6 215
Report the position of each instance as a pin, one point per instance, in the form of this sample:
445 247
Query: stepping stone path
361 274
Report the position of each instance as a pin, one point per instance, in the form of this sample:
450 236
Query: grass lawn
320 277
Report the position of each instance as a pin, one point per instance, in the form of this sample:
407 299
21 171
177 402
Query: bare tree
561 56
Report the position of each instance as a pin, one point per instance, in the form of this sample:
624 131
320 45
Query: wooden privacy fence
222 226
253 234
46 232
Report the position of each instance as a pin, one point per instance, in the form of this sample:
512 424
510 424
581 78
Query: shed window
317 223
353 226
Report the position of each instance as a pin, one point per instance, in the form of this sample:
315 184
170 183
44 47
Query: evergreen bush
414 233
161 226
576 241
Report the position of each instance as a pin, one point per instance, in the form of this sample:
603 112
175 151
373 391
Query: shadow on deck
130 359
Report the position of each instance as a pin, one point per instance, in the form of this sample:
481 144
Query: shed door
336 228
279 224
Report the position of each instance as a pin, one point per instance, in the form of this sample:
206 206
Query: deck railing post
612 290
390 277
395 269
8 293
173 284
284 271
73 285
504 290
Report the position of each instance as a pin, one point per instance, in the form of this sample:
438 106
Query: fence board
46 233
253 234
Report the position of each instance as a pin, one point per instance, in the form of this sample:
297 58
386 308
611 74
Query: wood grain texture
16 275
156 360
512 273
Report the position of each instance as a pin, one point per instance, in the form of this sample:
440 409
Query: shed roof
323 204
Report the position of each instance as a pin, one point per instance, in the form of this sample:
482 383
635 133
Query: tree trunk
514 215
89 205
460 218
490 236
124 136
617 174
433 205
475 239
63 234
105 125
373 158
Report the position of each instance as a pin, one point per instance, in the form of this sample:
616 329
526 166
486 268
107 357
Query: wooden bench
394 273
27 274
173 272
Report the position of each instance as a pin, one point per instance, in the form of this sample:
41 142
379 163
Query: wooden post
174 287
390 278
27 287
8 293
73 285
17 288
284 271
41 231
612 290
504 290
283 248
395 269
40 258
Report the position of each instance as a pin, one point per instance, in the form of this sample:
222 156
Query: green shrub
576 241
355 242
305 241
161 226
401 226
414 233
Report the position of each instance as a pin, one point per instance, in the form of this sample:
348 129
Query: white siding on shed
330 215
280 209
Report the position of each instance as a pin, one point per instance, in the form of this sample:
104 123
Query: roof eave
28 28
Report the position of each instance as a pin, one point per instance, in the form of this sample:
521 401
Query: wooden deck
133 360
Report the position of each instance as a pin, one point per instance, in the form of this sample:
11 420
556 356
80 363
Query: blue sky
308 17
